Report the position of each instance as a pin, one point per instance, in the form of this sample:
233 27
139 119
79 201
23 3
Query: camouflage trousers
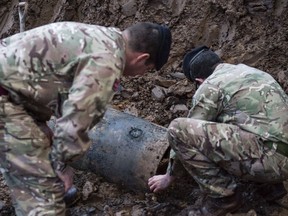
218 156
25 164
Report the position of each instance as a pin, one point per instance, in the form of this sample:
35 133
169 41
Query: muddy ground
253 32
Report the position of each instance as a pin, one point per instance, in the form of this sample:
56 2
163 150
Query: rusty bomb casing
125 150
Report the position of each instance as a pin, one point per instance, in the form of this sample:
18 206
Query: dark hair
200 63
153 39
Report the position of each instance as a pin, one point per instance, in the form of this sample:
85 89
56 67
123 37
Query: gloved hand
71 196
66 175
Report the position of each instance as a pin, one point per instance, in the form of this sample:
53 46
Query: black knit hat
164 46
189 59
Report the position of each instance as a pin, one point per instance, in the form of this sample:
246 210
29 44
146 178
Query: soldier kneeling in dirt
70 70
236 133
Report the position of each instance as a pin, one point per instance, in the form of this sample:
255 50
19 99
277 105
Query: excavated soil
253 32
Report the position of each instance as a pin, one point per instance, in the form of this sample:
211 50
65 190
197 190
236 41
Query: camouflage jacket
242 96
67 69
246 97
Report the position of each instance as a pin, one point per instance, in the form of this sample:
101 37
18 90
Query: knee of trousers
175 132
172 130
183 131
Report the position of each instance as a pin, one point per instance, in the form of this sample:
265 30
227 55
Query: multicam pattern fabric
64 62
66 69
235 112
246 97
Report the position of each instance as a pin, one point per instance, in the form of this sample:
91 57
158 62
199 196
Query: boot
272 192
71 196
219 206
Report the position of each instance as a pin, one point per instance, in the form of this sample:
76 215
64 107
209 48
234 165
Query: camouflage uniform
66 69
234 131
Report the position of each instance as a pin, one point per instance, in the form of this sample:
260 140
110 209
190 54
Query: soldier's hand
160 182
67 177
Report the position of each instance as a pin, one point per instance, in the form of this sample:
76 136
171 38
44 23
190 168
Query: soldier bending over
236 132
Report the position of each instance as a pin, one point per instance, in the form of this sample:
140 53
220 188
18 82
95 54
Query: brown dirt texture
253 32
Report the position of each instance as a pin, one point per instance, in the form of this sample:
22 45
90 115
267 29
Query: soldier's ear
142 58
200 80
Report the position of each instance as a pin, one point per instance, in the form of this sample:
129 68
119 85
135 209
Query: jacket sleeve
207 103
87 99
171 165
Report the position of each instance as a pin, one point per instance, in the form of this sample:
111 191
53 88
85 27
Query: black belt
282 148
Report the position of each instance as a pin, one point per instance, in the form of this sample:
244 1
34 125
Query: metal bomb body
125 149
